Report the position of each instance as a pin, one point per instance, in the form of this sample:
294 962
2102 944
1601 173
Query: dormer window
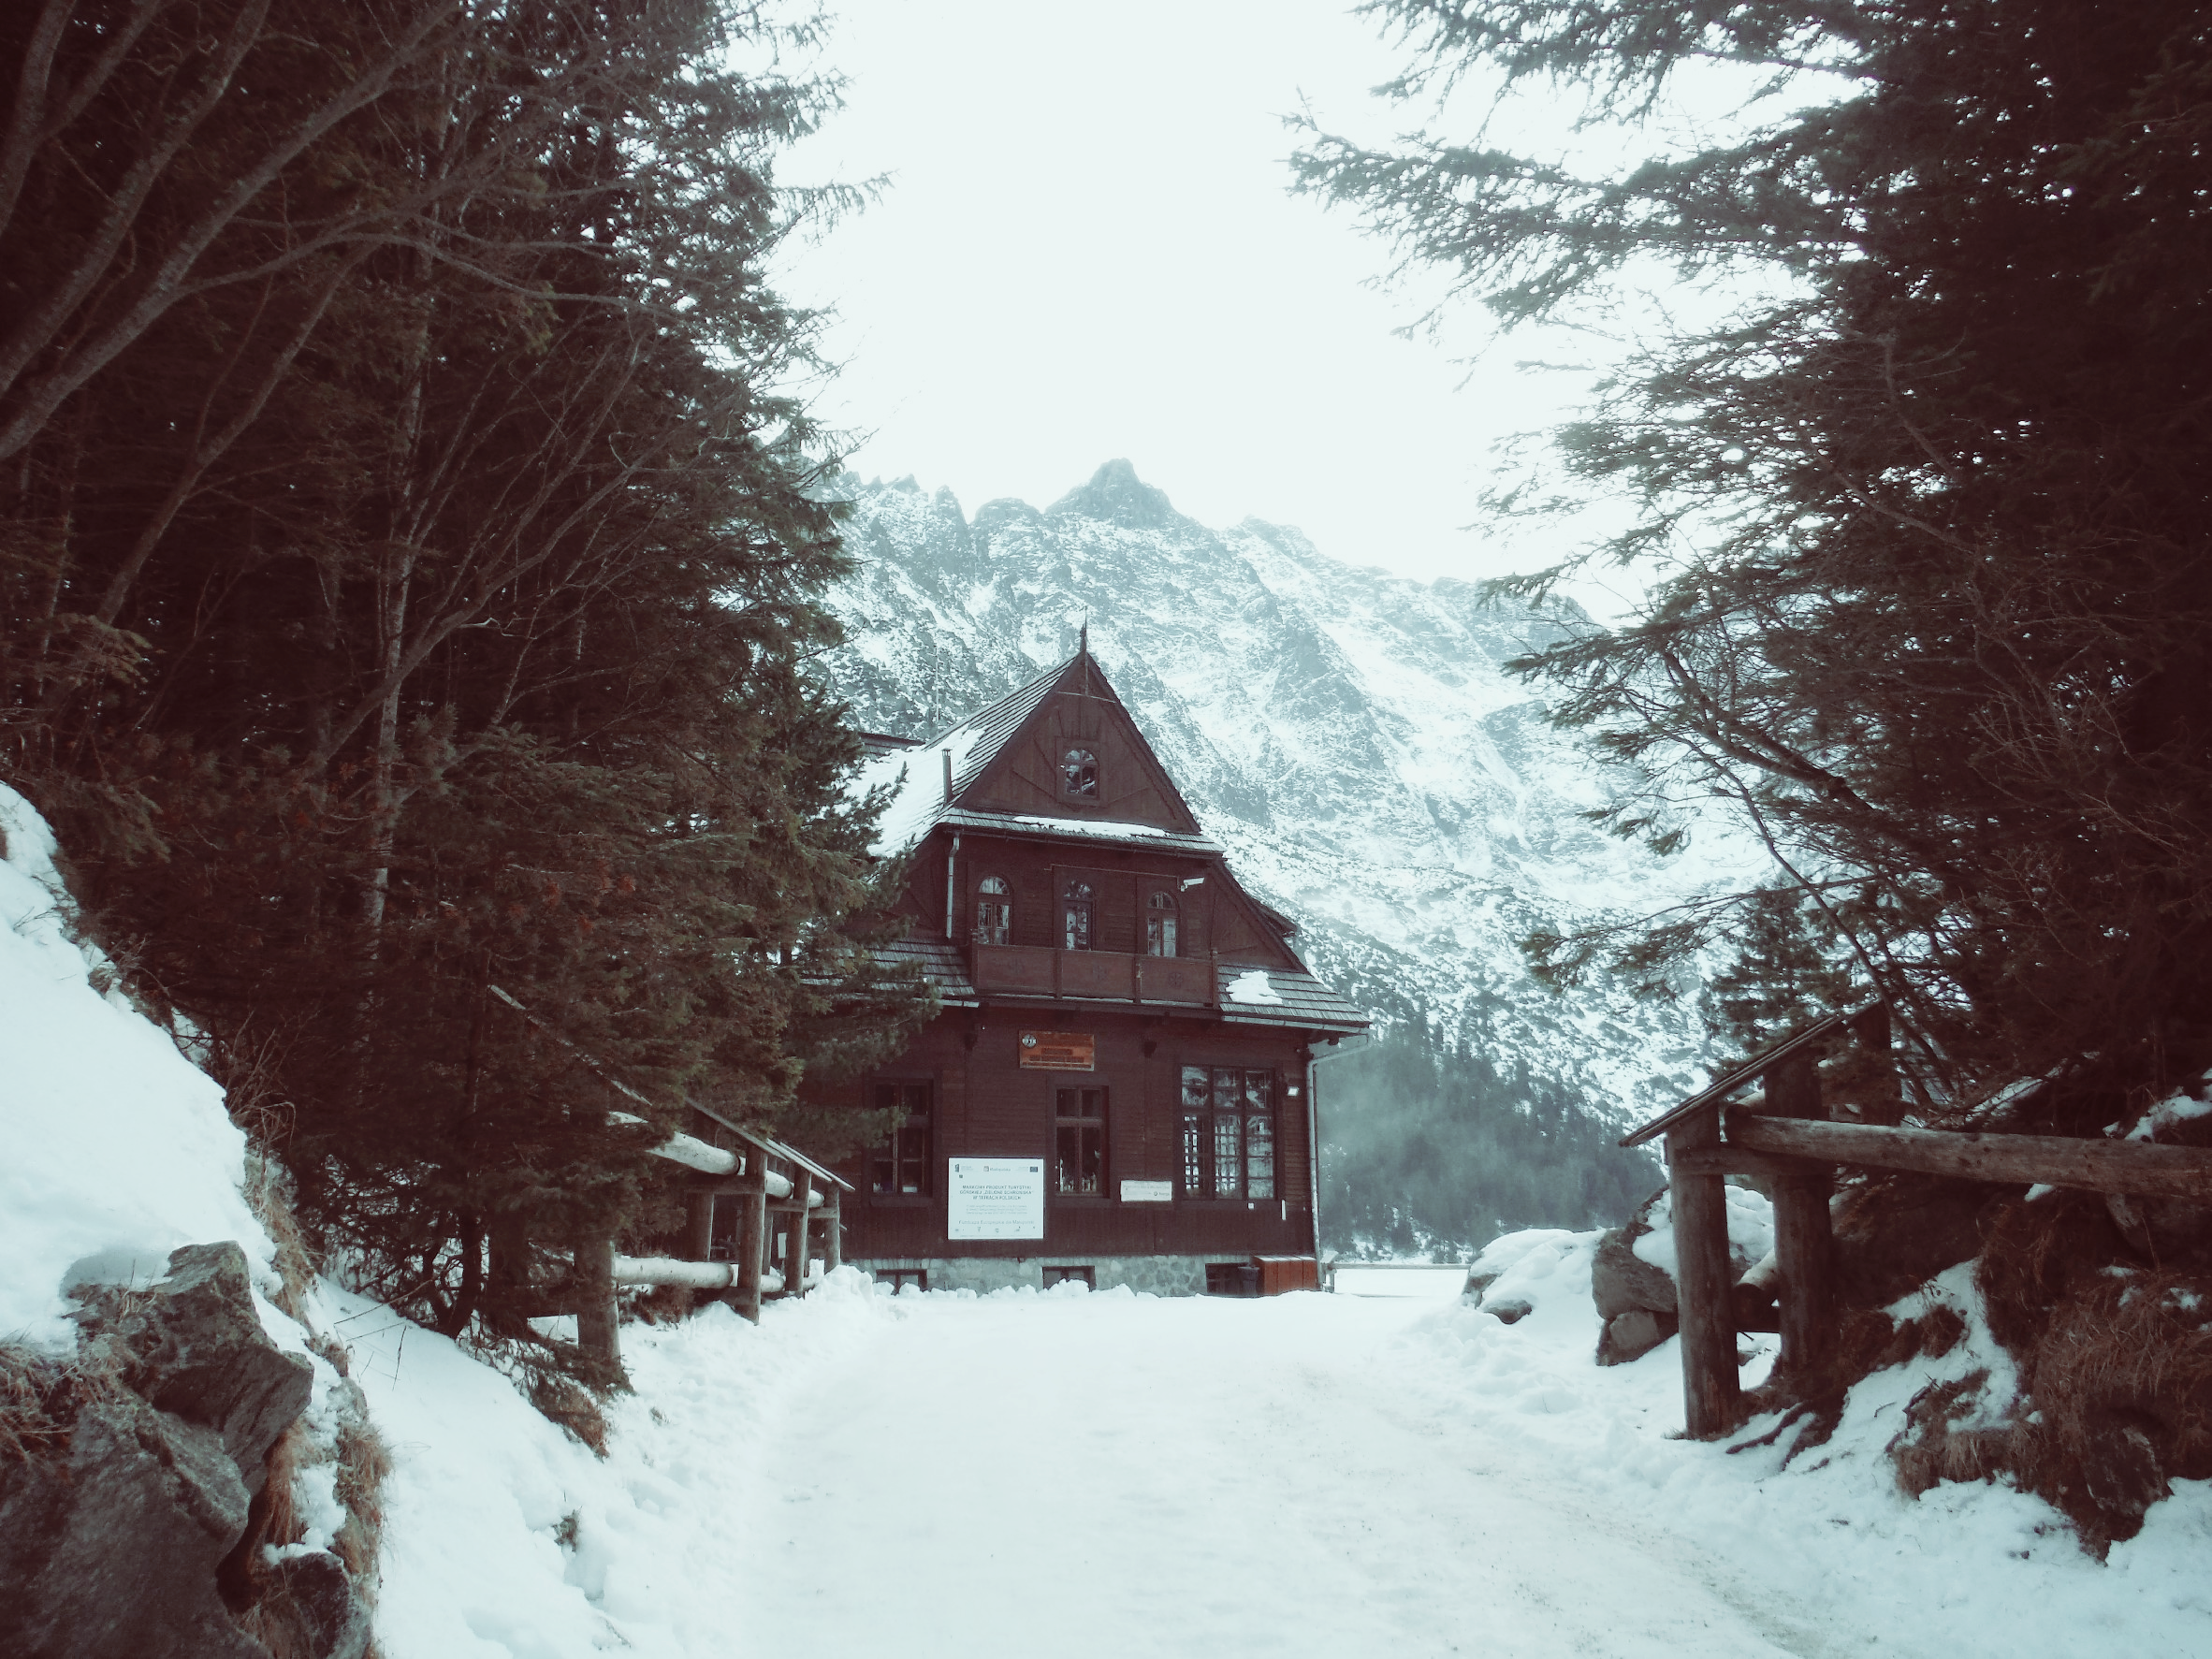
1160 924
994 911
1079 775
1081 909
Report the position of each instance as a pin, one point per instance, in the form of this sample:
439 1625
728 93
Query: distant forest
1433 1146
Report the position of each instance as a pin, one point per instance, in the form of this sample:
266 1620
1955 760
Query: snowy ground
1068 1474
1072 1474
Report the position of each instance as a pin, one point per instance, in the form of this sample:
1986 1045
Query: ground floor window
898 1278
1229 1133
1081 1275
901 1163
1078 1131
1232 1278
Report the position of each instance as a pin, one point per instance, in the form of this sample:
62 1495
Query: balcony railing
1038 970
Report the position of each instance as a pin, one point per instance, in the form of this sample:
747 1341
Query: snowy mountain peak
1116 495
1351 736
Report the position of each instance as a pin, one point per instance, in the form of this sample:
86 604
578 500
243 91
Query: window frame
1163 923
1087 906
1081 1123
994 890
891 1148
1225 1123
1078 765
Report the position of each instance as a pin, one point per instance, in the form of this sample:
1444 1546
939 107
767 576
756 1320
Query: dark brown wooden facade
1117 1007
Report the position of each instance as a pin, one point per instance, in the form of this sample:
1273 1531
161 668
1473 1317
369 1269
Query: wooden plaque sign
1059 1051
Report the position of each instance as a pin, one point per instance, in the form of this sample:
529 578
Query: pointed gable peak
1061 754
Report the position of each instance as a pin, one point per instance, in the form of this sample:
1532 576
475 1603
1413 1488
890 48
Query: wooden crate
1278 1274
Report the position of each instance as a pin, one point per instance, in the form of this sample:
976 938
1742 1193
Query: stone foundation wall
1162 1275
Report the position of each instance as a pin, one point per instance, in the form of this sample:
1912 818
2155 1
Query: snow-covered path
1106 1476
1076 1475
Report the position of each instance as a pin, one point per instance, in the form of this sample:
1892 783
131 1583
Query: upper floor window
994 911
1081 912
1079 775
1160 924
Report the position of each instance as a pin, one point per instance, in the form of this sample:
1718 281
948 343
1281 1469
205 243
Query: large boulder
151 1444
110 1554
194 1346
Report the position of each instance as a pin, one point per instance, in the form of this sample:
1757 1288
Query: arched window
1079 775
1160 924
1079 908
994 911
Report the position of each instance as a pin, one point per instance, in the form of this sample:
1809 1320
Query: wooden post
795 1270
752 1235
699 1225
1713 1400
832 1244
1804 1245
594 1279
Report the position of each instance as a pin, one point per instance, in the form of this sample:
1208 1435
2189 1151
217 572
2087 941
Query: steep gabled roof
917 775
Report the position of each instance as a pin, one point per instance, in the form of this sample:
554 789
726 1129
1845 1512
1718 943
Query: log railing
1786 1139
802 1194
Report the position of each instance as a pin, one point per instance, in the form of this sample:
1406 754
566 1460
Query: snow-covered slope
118 1148
1351 736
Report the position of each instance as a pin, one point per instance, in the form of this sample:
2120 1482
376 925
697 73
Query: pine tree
1783 975
1939 592
468 670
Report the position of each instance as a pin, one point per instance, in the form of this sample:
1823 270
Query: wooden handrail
1750 1071
2133 1167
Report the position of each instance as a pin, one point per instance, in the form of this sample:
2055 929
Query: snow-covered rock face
1351 736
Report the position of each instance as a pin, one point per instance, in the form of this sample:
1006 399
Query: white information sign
1147 1192
995 1198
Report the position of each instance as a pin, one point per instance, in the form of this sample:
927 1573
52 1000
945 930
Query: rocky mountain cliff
1350 736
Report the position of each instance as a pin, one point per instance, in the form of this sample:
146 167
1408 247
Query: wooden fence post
1804 1243
794 1271
594 1280
1713 1398
752 1236
699 1225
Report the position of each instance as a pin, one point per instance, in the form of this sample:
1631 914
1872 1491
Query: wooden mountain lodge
1119 1088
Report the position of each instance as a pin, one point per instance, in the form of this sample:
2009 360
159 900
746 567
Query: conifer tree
407 623
1936 600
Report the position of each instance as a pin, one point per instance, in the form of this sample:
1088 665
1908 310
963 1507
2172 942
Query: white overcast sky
1087 251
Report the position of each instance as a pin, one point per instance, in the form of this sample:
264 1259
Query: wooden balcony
1038 970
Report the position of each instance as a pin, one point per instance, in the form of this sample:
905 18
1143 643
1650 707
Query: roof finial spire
1083 639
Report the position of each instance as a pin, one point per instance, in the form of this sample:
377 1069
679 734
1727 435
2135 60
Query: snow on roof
1252 986
918 775
1085 826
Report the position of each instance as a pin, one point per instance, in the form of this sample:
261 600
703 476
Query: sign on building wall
1059 1051
1147 1192
995 1198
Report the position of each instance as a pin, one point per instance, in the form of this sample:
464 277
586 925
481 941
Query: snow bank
503 1536
1963 1569
118 1148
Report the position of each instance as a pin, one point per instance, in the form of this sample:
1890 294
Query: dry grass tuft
40 1397
2032 1253
362 1465
1932 1448
570 1405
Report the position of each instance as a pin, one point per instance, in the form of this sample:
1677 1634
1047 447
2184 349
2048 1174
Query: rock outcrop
140 1486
